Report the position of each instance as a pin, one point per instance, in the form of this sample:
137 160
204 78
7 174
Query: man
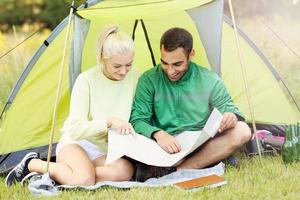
179 95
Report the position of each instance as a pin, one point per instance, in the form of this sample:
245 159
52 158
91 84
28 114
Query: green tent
27 117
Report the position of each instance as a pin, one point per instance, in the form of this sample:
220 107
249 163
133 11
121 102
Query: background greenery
45 12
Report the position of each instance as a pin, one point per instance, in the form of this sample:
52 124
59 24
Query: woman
101 98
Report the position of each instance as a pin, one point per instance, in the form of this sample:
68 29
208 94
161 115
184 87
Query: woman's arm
78 126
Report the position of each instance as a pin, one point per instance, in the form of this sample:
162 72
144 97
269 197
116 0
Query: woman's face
117 67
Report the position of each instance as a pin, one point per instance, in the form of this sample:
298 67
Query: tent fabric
80 29
10 160
131 10
269 103
202 15
155 25
34 59
27 122
252 44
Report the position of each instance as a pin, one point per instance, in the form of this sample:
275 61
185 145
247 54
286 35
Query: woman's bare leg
72 166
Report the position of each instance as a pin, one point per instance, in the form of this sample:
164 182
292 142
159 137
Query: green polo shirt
183 105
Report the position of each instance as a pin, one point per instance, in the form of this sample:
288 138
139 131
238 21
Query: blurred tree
16 12
49 12
54 11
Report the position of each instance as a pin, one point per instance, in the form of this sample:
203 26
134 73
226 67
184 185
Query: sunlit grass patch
270 179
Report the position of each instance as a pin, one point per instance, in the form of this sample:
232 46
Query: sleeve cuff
148 131
239 117
99 125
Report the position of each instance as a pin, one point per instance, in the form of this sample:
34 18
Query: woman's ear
99 58
192 54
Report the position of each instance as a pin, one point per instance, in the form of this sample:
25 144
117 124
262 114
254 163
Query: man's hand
229 121
167 142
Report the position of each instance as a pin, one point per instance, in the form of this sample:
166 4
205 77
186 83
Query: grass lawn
269 180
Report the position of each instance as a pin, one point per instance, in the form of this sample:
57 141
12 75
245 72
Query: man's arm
142 112
142 108
221 100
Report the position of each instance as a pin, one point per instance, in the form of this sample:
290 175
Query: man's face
174 63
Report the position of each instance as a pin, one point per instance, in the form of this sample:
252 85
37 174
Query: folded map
146 150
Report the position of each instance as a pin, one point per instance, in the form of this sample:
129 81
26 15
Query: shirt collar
184 78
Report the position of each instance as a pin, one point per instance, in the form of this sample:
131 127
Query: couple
174 96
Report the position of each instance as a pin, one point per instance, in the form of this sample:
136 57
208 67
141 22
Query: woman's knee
80 178
79 169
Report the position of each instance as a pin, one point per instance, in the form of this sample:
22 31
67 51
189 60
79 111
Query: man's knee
122 170
123 176
241 134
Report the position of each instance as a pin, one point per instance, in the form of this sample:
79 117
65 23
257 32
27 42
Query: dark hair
175 38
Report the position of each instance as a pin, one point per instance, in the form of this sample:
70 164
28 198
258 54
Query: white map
149 152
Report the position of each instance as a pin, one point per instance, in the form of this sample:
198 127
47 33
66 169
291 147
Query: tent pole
59 86
244 78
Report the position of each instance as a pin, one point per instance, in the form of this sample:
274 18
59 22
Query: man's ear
192 54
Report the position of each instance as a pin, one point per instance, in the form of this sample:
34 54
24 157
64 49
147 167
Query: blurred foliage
246 8
46 12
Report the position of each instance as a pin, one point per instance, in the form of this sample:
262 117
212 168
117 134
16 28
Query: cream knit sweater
95 98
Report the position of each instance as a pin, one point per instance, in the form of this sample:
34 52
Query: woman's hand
123 127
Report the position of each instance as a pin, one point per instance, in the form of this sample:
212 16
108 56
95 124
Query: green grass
269 180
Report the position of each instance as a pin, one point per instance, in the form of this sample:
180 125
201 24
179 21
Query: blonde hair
112 41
